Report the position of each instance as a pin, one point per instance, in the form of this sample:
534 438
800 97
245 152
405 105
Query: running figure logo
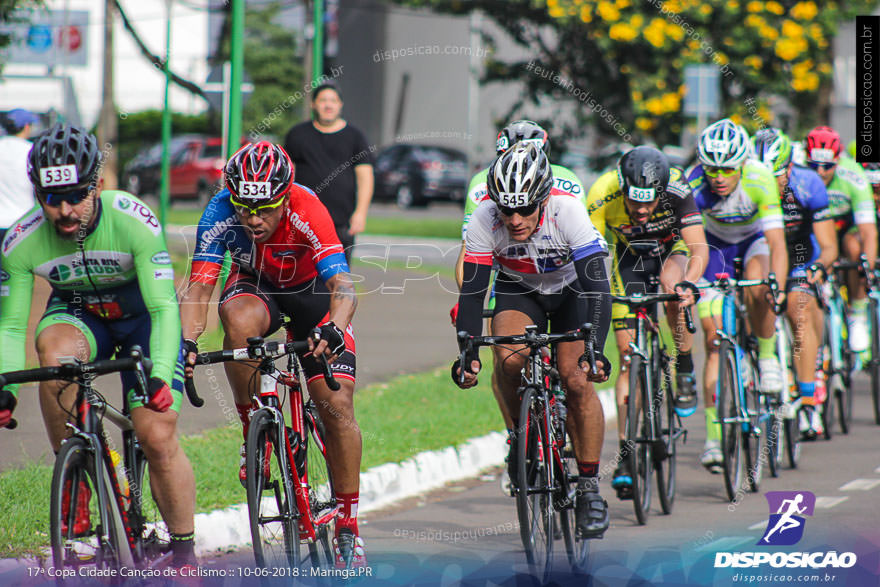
786 524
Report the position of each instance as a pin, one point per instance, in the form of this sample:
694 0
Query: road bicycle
119 532
783 437
653 428
836 359
743 412
546 469
290 493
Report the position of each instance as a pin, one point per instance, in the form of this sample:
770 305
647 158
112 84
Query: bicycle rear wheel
668 427
637 429
729 415
322 499
533 501
272 509
875 356
101 542
774 441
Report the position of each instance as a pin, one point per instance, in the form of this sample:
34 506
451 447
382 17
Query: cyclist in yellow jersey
648 215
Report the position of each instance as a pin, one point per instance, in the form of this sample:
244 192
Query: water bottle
121 477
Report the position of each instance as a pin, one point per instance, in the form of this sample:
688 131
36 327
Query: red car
196 168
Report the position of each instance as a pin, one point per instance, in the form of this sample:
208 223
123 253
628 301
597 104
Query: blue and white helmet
724 144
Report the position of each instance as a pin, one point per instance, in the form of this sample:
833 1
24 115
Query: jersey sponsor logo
219 228
567 185
163 274
96 267
3 276
852 177
21 230
139 211
4 291
58 175
161 258
303 226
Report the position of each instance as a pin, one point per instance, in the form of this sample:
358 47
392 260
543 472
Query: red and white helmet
823 145
259 173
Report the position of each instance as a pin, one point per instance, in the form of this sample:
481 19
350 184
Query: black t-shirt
325 163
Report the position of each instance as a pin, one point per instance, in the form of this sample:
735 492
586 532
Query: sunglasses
823 166
722 171
261 211
73 198
525 211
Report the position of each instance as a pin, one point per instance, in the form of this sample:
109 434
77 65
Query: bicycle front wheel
84 532
668 428
754 432
533 500
875 357
729 416
272 509
639 449
322 499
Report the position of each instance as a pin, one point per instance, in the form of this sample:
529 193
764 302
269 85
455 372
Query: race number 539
56 175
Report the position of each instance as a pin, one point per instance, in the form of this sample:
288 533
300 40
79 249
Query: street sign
48 37
703 97
215 88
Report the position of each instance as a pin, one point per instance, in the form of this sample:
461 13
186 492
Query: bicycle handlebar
258 349
643 301
73 368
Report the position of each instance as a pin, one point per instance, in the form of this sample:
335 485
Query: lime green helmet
773 149
851 148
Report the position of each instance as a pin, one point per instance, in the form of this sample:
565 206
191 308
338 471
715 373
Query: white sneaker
810 423
858 332
771 375
506 488
712 458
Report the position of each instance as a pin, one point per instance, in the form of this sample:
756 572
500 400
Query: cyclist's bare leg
344 445
805 318
761 316
509 362
855 283
59 340
673 272
496 390
621 386
710 369
171 474
586 420
242 317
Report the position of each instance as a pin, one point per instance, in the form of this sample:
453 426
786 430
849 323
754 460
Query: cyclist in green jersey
852 207
103 253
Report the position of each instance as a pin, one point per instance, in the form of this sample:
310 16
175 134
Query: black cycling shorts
307 305
566 310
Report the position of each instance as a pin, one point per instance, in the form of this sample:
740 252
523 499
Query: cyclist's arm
476 272
343 300
194 309
694 238
597 200
459 266
826 236
864 211
778 254
16 293
765 193
475 193
156 280
594 281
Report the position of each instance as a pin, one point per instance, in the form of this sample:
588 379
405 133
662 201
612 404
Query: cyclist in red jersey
286 258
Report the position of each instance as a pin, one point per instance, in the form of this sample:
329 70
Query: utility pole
165 192
236 50
108 133
318 42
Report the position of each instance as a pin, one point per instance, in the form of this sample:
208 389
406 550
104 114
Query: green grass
393 226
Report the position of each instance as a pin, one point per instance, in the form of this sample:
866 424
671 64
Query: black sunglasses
73 198
822 166
525 211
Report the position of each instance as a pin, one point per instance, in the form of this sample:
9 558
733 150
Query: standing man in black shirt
334 159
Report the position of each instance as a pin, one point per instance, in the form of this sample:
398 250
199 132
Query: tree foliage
630 55
273 65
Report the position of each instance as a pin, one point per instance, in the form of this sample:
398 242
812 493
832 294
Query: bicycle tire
843 397
320 488
275 530
753 432
667 427
576 548
636 430
535 510
874 367
792 436
774 442
105 544
728 415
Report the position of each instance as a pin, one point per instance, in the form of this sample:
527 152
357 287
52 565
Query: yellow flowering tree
630 55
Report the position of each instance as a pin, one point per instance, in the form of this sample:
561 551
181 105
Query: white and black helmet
520 177
522 130
724 144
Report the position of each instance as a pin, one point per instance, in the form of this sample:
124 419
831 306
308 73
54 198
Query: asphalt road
468 532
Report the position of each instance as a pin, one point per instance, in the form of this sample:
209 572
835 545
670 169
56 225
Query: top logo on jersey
139 211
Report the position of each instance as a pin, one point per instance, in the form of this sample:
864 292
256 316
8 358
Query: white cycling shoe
712 458
771 375
858 332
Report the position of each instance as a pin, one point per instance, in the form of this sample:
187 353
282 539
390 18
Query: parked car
196 168
416 175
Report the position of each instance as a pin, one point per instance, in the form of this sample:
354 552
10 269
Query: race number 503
255 189
56 175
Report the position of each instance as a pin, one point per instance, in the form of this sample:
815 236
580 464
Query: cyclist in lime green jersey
103 253
851 204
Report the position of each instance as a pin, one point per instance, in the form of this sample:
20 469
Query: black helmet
522 130
520 177
259 173
64 158
643 173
